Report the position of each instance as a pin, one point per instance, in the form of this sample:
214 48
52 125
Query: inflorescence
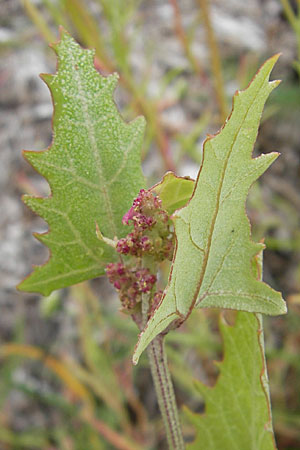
130 282
151 237
151 234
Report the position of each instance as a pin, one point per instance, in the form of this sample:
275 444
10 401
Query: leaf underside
93 168
212 261
237 409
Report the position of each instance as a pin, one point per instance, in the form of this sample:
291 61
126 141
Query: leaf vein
214 219
91 134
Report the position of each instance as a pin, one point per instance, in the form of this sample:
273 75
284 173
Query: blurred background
66 378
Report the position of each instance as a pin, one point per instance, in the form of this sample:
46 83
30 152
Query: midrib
209 242
91 136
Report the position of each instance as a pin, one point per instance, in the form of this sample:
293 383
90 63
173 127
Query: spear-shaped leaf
93 168
212 261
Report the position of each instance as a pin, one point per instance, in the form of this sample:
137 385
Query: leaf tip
157 323
63 34
135 360
271 61
46 77
26 285
137 352
283 307
139 124
276 56
141 345
273 84
269 64
19 285
61 31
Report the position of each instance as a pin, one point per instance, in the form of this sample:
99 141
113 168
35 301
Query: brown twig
185 41
118 441
215 59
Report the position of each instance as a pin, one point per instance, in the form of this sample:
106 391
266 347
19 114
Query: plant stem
164 387
165 392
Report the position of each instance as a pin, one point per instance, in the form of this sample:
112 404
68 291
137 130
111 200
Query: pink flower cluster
151 234
130 282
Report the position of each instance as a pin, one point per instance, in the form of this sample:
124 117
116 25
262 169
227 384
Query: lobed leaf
93 168
237 409
212 261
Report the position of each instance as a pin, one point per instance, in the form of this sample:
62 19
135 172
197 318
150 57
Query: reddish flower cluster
151 234
130 282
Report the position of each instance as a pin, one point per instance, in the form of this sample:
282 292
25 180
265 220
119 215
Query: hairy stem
164 387
165 393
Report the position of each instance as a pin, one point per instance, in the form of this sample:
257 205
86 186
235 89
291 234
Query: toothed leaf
237 409
212 261
93 168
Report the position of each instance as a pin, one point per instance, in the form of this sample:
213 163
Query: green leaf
237 409
93 168
174 191
212 261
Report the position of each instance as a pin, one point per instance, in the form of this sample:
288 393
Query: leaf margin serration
228 331
32 201
176 315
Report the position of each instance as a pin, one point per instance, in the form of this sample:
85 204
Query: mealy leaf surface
237 409
93 168
212 261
